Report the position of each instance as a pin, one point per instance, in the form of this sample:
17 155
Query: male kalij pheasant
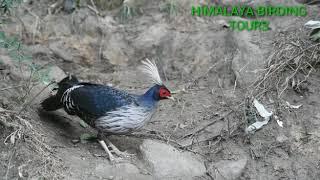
107 109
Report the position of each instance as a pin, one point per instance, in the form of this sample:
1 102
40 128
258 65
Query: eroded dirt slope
210 67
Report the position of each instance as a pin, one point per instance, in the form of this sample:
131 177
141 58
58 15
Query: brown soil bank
215 72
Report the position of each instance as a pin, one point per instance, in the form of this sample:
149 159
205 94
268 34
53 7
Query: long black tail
53 102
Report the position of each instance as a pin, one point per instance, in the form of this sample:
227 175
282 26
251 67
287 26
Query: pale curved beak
171 98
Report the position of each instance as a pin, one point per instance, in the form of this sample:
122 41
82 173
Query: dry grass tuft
293 60
29 156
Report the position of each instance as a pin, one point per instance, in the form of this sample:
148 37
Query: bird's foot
122 154
105 147
119 153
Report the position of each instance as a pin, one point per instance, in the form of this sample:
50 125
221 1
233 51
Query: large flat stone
167 162
227 169
85 166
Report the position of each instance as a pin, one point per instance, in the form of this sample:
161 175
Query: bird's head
164 93
159 91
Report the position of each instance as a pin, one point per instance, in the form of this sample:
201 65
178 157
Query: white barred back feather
66 98
151 70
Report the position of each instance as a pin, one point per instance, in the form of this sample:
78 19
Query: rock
223 23
167 162
92 168
153 35
247 59
56 73
117 53
6 61
308 2
39 49
282 138
60 51
57 26
120 171
17 72
227 169
75 141
86 23
69 6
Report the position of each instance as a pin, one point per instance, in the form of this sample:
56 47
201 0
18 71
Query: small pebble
75 141
282 138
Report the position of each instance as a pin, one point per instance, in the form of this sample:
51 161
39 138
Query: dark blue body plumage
98 99
109 110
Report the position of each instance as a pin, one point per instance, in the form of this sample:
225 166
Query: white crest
151 70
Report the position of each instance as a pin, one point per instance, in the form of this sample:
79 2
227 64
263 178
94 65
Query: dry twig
290 65
33 98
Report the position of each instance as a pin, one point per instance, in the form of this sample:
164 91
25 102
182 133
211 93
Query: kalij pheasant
109 110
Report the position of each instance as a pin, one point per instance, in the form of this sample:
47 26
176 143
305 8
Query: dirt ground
212 70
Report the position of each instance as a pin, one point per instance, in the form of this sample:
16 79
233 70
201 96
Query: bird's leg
103 140
104 146
115 149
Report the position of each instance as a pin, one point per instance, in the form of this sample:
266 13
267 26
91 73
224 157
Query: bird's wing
124 119
96 100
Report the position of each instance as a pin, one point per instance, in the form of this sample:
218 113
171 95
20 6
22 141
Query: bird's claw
119 153
114 150
124 154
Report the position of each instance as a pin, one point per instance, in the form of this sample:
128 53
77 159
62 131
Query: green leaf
87 137
83 124
169 7
7 5
19 53
127 12
2 35
315 34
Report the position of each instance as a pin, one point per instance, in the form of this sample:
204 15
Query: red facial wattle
164 93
